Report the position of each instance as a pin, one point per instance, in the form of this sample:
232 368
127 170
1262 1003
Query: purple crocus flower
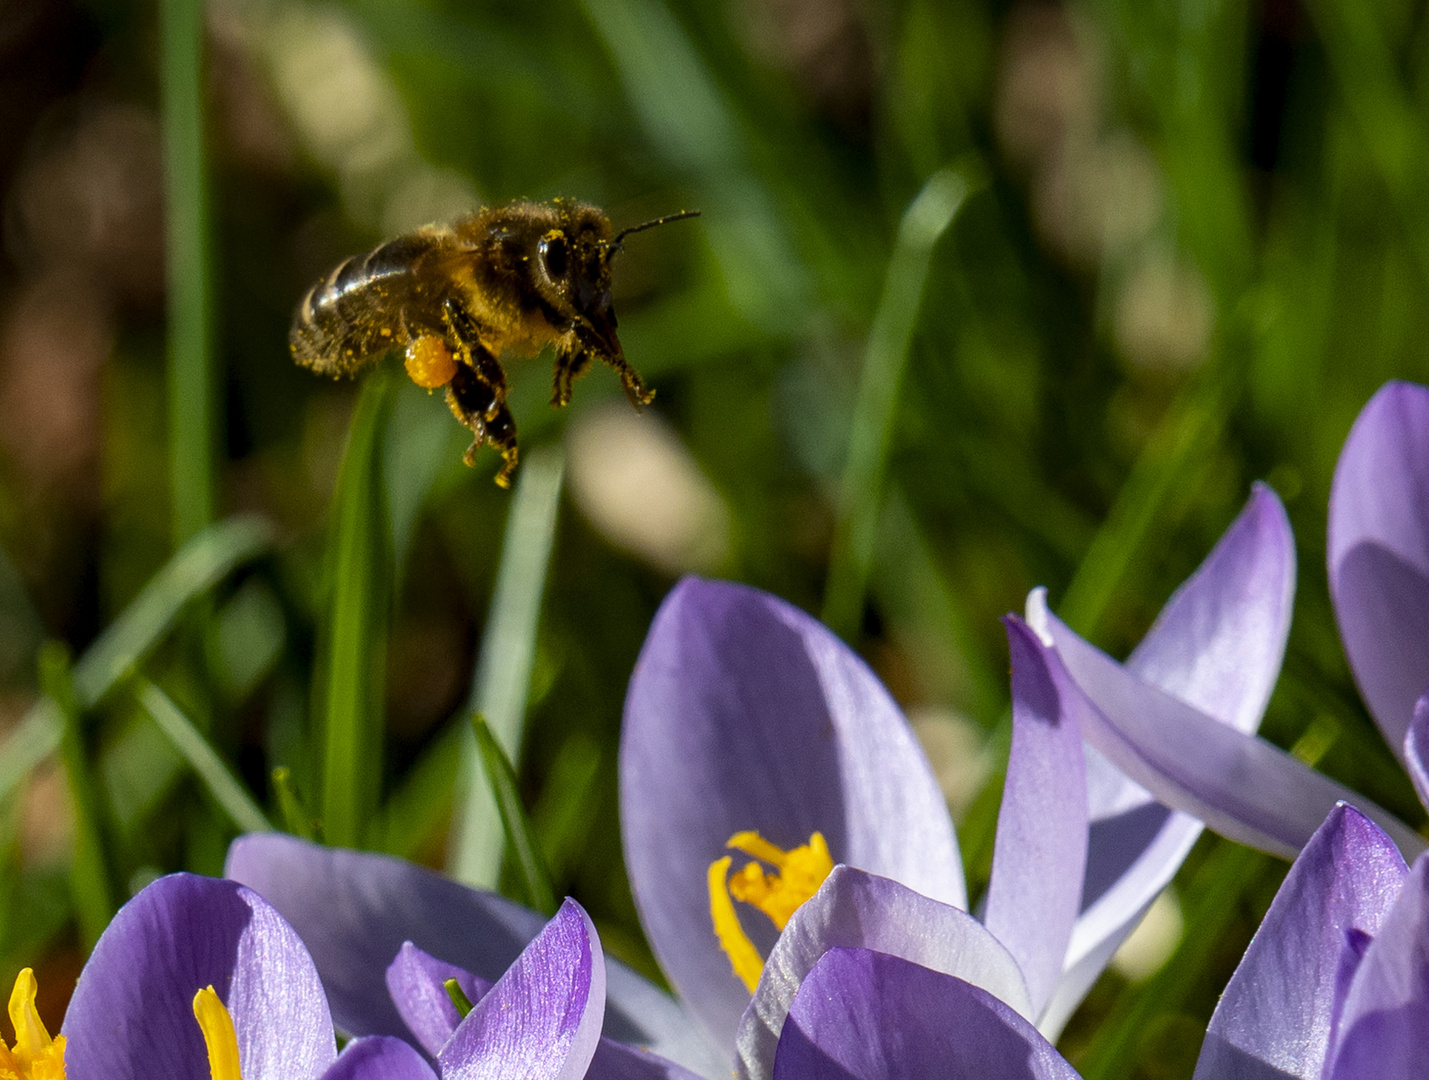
749 726
381 930
863 1015
1379 566
200 976
1335 984
1182 743
189 948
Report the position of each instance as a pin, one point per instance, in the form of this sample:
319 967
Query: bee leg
634 388
571 364
473 401
501 433
467 336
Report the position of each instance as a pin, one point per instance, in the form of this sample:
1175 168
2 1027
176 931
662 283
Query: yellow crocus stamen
218 1035
35 1055
732 939
778 895
798 875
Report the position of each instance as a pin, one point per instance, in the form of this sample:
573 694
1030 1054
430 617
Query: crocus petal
132 1016
379 1057
1220 640
859 910
418 985
1217 645
616 1061
1241 786
1379 553
1274 1019
1041 849
1416 749
864 1015
1386 1012
354 910
1115 909
416 980
745 713
541 1021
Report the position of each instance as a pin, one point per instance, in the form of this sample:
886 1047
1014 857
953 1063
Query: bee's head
573 270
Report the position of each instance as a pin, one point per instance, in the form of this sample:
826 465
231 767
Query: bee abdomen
363 308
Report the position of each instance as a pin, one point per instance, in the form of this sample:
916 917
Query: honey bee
508 280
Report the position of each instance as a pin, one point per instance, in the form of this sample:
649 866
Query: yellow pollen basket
797 876
218 1035
35 1056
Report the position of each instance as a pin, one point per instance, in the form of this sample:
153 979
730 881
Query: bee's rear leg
473 401
501 433
571 364
466 334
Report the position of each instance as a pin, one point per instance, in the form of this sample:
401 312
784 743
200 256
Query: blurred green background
1187 241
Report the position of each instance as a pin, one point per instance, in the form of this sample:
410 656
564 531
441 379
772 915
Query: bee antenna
651 224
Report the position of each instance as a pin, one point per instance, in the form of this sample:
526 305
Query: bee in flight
506 280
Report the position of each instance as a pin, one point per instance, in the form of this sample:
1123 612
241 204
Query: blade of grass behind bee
296 818
359 576
91 883
526 856
1176 451
194 569
503 671
230 795
861 490
191 407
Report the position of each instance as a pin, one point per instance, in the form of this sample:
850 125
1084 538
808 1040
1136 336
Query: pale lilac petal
379 1057
542 1019
1117 908
745 713
131 1016
1220 640
1217 645
354 910
416 980
1241 786
859 910
616 1061
1275 1017
1416 749
1385 1018
1040 853
864 1015
1379 553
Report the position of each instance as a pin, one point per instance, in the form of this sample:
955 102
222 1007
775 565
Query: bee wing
373 302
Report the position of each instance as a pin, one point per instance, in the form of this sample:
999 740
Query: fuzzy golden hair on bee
456 299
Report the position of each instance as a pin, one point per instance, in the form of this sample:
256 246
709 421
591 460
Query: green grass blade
503 671
36 738
90 881
191 406
530 867
201 563
1176 451
230 795
296 818
861 491
198 566
359 577
420 807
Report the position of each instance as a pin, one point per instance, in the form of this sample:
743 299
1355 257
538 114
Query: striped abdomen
372 302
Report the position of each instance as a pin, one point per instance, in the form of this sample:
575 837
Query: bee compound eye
555 254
